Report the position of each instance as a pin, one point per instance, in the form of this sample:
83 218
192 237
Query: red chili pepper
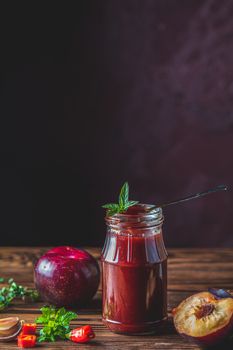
28 329
26 341
81 335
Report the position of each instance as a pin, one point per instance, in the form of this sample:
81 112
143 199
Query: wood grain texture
189 270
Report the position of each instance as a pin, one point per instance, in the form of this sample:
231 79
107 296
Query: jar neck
138 219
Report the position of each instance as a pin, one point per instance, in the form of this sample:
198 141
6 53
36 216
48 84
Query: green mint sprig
124 202
13 291
55 323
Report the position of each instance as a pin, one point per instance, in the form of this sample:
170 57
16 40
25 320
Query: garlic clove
9 328
8 322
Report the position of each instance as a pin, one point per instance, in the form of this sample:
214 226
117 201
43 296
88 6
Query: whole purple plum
66 276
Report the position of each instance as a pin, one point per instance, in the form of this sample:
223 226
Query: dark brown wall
113 91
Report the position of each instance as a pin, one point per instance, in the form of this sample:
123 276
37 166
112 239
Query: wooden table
189 270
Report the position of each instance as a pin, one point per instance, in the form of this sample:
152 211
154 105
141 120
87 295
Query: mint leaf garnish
124 202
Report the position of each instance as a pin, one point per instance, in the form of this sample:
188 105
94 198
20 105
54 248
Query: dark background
94 93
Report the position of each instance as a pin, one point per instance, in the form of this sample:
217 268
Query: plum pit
204 310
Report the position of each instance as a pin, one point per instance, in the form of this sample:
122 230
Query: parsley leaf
124 203
55 322
14 290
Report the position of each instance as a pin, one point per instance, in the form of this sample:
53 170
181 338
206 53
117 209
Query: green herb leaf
111 206
124 195
131 203
55 323
124 203
13 291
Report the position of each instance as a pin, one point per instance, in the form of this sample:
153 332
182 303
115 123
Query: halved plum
203 318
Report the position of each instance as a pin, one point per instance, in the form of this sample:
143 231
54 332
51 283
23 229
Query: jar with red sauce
134 265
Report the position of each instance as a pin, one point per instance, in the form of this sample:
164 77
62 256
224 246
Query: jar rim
147 216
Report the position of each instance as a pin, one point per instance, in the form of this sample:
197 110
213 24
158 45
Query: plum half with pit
204 319
67 276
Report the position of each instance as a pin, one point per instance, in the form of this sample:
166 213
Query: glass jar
134 266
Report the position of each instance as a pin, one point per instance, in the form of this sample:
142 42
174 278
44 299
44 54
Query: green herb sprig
55 323
124 202
13 291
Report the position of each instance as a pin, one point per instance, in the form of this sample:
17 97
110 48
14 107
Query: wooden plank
189 270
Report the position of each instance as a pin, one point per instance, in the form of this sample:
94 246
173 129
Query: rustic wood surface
189 270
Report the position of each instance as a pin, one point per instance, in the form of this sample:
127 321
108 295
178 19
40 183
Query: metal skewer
192 196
